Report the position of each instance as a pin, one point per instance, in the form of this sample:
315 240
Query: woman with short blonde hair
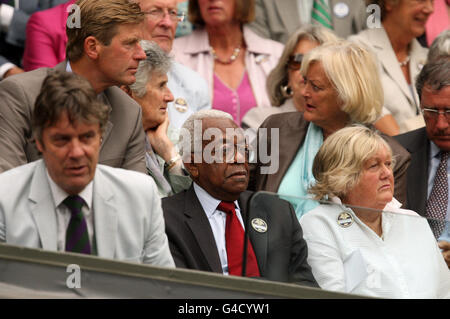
353 72
360 241
341 87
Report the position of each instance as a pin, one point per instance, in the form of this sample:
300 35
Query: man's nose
76 149
140 53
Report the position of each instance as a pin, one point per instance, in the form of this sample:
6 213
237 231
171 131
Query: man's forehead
442 95
145 4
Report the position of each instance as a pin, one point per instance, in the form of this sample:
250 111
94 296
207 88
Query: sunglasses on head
295 61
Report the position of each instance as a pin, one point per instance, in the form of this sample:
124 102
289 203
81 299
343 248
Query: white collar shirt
217 220
405 262
63 214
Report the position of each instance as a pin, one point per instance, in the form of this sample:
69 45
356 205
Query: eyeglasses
295 61
159 14
433 114
227 152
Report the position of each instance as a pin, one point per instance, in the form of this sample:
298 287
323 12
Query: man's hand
13 71
445 246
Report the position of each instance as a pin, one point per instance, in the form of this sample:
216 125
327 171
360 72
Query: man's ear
92 47
127 90
192 168
39 145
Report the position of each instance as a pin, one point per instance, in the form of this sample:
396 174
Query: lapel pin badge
345 220
341 10
259 225
181 105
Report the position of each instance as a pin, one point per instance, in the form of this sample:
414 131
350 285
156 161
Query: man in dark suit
105 50
428 147
201 220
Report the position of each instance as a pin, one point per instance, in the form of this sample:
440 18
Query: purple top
237 102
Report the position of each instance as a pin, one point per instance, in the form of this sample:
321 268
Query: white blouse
348 256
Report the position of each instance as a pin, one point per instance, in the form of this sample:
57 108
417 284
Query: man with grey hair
189 89
151 92
205 224
427 187
440 46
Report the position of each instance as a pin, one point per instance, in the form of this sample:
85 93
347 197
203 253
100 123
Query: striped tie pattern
321 14
77 237
436 206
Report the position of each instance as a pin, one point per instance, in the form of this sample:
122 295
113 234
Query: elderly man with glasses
189 89
427 187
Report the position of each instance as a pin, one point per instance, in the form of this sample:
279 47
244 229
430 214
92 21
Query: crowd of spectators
136 130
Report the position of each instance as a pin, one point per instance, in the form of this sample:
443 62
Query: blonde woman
342 87
365 243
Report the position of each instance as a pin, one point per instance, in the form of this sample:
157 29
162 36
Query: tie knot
74 203
226 207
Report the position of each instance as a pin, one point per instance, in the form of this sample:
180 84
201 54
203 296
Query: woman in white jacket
364 243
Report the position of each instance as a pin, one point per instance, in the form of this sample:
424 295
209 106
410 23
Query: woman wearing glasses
284 81
233 59
341 87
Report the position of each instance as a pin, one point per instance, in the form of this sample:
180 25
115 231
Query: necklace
404 62
233 57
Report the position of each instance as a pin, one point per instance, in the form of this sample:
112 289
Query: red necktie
234 238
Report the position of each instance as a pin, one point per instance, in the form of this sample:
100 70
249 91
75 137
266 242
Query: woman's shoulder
197 41
323 214
260 44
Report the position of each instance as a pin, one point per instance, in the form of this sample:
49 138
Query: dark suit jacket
292 128
417 143
281 251
123 139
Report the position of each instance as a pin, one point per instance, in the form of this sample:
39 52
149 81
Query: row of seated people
123 138
235 61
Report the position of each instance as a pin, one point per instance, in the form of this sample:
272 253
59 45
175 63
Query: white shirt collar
59 195
208 202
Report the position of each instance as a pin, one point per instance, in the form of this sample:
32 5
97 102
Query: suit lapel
105 216
42 208
109 125
388 60
290 139
288 11
417 186
259 240
201 230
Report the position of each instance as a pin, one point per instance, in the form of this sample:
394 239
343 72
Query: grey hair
278 77
157 61
435 74
189 137
440 46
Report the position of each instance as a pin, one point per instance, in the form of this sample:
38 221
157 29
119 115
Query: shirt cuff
5 67
6 15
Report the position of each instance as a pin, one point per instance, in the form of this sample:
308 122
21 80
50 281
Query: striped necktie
77 237
437 202
321 14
